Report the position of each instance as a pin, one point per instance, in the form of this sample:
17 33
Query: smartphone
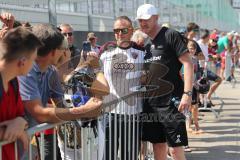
86 46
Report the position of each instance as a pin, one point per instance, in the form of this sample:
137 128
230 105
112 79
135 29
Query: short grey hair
65 25
138 34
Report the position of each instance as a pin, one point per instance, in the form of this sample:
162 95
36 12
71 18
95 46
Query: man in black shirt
169 52
67 31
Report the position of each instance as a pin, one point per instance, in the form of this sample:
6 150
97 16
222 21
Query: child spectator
194 108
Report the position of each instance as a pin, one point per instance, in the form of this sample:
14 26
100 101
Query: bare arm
41 114
100 85
52 115
188 79
92 61
13 129
8 21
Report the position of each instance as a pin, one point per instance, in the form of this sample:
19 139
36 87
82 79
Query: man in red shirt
18 50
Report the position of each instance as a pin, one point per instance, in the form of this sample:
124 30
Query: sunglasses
69 34
195 30
91 39
214 40
123 30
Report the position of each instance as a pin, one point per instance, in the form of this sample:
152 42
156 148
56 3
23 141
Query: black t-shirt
164 67
75 57
198 51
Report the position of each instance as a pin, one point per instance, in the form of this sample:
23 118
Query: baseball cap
214 36
231 33
91 35
145 11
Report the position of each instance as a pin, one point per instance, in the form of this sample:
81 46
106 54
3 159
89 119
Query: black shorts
194 96
210 75
165 124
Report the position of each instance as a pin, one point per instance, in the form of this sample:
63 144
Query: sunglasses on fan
122 30
69 34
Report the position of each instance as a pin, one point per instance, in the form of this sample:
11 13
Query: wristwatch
189 93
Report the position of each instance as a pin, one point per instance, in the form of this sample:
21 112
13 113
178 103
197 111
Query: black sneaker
208 106
229 79
199 103
210 103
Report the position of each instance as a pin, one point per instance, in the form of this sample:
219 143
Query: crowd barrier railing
118 135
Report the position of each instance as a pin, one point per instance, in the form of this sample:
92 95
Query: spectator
212 50
27 25
36 90
191 33
214 34
203 43
224 49
67 31
91 37
8 21
63 64
18 50
224 43
63 71
195 97
169 53
166 25
139 37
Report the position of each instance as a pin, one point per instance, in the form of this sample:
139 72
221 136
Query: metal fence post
52 12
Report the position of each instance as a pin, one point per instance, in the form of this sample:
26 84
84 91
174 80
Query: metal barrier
5 143
210 66
115 131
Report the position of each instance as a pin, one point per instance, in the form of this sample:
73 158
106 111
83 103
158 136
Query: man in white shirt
92 38
203 43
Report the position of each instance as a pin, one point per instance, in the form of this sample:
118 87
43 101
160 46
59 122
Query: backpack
202 85
15 85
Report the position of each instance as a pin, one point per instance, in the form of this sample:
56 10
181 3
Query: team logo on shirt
152 47
154 58
134 55
123 66
178 139
160 47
